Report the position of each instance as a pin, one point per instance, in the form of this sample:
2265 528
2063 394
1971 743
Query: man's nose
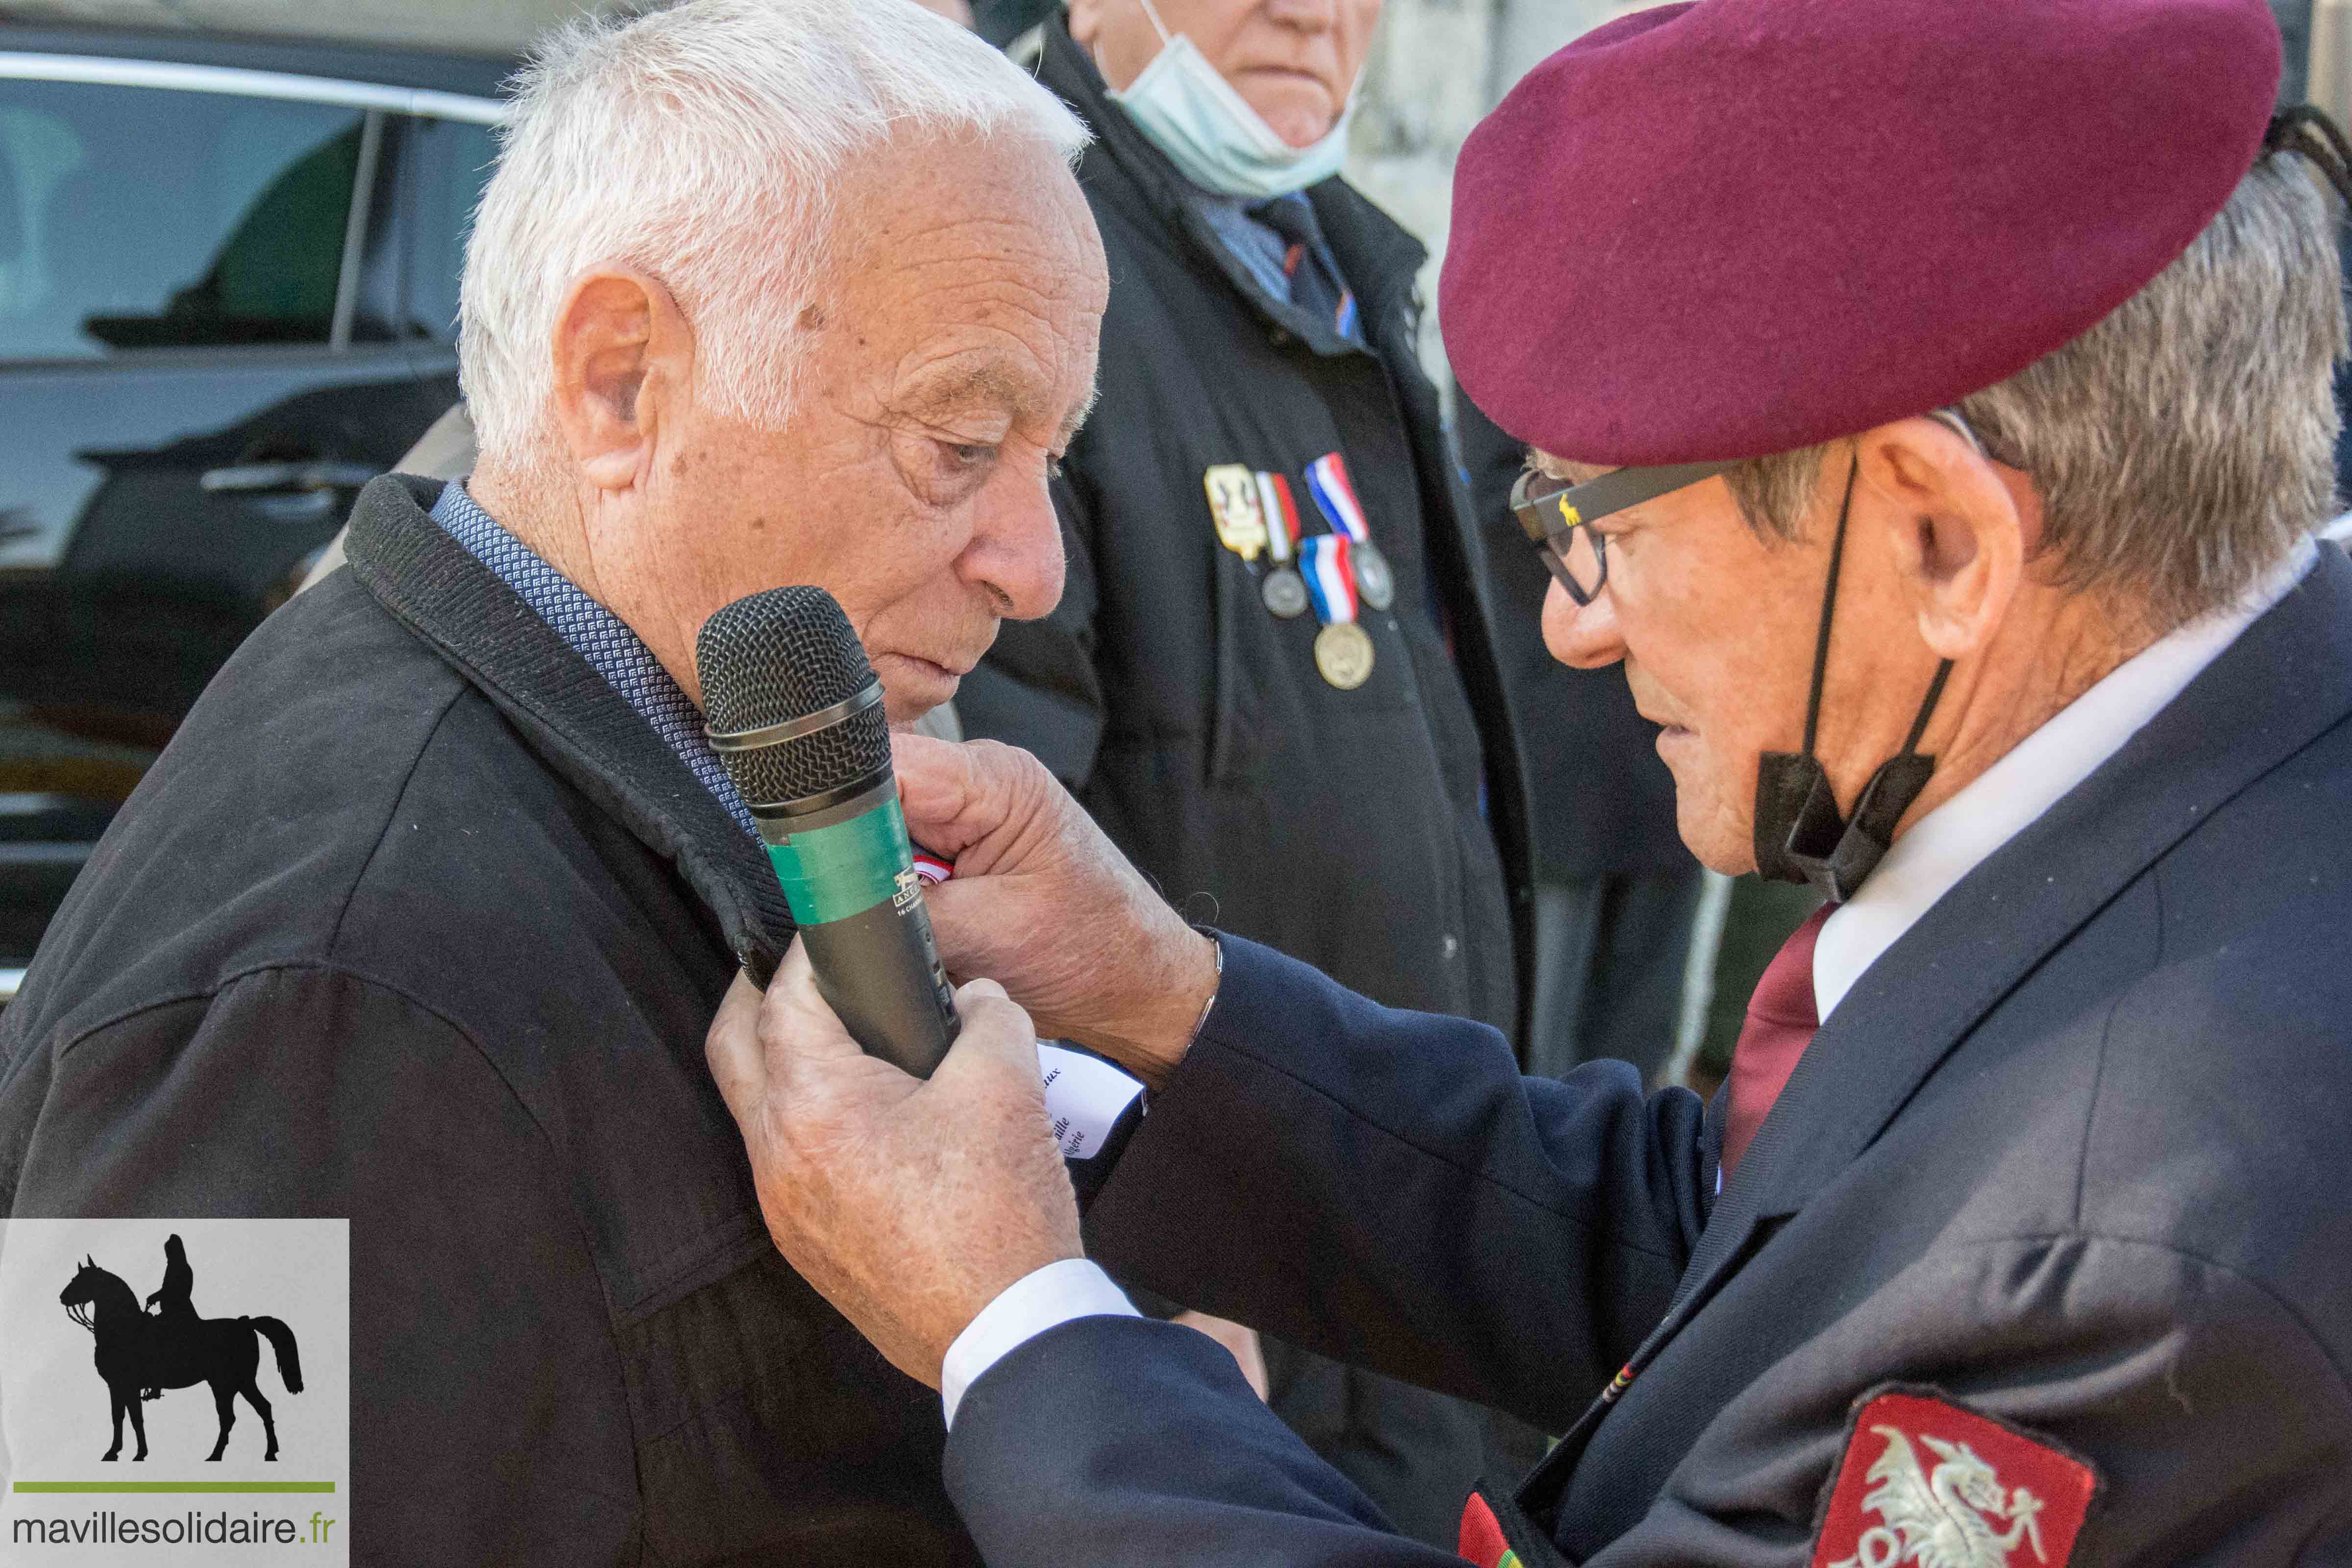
1306 15
1584 636
1016 549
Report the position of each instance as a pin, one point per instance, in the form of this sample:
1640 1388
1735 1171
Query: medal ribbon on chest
1284 593
1343 650
1335 497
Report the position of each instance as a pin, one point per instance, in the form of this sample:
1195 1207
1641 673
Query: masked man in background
1270 678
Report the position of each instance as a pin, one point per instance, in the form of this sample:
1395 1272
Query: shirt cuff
1043 1299
1085 1098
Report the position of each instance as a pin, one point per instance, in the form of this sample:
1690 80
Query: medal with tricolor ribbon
1283 591
1335 497
1343 650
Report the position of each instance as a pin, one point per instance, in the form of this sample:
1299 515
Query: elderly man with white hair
422 917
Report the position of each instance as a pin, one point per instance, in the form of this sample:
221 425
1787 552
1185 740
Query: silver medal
1374 581
1284 591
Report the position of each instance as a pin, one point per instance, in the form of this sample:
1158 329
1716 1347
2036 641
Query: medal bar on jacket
1285 590
1256 511
1343 650
1234 508
1335 497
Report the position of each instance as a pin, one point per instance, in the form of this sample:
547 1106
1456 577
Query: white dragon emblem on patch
1942 1517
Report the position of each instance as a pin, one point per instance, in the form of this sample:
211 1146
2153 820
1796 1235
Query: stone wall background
1435 69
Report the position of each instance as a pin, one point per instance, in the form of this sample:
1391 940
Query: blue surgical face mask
1212 135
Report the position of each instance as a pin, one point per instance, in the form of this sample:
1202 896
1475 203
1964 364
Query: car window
140 217
449 162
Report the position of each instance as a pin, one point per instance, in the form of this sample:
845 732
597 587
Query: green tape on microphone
846 868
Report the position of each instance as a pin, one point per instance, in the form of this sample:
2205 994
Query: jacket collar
567 713
1377 257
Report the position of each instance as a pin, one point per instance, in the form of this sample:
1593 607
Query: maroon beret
1740 226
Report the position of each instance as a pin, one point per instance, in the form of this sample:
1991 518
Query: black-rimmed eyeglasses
1553 514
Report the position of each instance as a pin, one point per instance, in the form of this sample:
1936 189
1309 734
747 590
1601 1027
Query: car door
226 299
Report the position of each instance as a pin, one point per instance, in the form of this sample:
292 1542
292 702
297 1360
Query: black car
228 287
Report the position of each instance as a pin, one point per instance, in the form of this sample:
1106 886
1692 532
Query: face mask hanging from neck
1801 836
1212 135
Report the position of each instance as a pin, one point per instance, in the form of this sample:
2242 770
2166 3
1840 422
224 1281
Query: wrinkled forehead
1000 214
965 267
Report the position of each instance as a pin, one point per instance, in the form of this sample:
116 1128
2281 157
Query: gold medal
1233 506
1343 655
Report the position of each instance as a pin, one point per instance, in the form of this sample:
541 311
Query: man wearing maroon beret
1930 410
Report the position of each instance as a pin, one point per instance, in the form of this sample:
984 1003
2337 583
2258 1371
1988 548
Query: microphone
795 712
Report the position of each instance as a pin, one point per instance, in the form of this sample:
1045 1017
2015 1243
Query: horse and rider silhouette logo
144 1350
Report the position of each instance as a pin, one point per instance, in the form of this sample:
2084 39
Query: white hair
702 144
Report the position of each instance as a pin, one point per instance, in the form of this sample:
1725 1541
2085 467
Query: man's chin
1719 839
904 713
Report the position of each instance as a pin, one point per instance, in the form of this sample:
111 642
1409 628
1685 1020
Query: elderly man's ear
624 360
1959 530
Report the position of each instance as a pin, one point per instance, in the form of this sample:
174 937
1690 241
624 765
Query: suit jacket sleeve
481 1428
1038 688
1132 1441
1383 1187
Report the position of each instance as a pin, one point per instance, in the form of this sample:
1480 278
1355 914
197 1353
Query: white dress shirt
1923 864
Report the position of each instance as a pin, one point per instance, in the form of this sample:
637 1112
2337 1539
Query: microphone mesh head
783 655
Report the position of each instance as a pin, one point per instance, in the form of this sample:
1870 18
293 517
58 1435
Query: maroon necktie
1780 1023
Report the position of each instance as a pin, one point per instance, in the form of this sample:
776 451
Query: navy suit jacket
2074 1153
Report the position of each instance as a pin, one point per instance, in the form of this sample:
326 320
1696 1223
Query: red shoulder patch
1924 1480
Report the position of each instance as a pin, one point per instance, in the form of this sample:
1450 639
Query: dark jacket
2071 1155
416 922
1345 826
1589 752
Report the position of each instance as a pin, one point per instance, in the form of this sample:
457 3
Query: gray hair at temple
2186 443
700 143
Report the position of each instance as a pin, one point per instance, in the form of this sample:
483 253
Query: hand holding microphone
908 1204
795 714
